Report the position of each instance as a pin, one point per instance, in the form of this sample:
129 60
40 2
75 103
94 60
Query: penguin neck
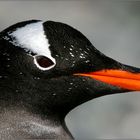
26 107
23 92
24 124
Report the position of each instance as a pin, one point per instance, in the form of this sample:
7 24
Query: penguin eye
43 62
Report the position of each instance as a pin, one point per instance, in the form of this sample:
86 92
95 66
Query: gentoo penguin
46 70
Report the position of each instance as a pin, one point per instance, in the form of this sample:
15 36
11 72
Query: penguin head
52 66
51 46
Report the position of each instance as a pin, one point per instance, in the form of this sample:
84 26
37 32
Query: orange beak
120 78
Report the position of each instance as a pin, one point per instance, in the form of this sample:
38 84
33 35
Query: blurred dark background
114 28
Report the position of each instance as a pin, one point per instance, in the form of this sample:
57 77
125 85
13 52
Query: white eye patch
32 38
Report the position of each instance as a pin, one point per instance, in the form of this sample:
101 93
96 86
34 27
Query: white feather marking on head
32 38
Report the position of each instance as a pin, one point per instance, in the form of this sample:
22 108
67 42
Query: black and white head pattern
31 37
54 45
